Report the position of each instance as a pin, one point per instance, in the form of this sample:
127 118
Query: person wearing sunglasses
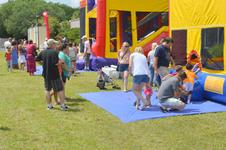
123 64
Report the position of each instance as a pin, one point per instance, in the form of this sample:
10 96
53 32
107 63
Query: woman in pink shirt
31 66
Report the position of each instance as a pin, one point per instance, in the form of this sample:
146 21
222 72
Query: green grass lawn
26 124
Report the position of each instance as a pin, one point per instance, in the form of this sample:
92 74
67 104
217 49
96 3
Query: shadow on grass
4 129
74 101
77 100
69 110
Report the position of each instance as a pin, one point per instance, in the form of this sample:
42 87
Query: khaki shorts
163 71
171 103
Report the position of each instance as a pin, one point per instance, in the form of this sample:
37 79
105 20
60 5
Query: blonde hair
125 44
154 46
139 50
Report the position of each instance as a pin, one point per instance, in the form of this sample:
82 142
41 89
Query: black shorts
56 85
64 78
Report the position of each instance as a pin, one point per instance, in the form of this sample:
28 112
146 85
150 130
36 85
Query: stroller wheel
116 87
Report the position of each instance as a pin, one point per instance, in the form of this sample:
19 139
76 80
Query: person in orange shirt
194 59
188 83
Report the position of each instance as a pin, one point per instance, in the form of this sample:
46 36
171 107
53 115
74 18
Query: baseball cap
84 37
51 42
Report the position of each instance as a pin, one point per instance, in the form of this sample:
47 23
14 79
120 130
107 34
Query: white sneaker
145 107
50 107
137 106
64 107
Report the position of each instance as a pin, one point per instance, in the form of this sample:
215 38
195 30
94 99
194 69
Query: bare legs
61 96
125 76
57 95
137 90
22 65
48 97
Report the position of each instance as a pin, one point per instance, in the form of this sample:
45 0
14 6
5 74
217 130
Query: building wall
2 40
75 23
37 35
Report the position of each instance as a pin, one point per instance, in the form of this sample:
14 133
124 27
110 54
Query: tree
76 14
72 34
54 26
17 16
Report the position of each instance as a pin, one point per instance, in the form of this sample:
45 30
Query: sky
72 3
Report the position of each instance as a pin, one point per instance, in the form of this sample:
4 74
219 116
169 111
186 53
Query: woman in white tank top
138 67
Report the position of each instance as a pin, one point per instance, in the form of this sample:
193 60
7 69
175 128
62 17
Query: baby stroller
107 76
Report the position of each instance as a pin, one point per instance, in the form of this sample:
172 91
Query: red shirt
30 48
8 56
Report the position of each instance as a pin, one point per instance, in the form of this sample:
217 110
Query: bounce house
199 26
111 22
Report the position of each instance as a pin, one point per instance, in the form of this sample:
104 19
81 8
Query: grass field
26 124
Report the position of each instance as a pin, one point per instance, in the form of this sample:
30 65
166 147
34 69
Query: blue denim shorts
123 67
138 79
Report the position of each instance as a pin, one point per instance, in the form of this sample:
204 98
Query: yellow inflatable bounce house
197 27
111 22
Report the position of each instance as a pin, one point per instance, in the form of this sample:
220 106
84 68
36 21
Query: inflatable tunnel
210 87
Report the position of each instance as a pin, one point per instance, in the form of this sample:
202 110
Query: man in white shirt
45 45
87 52
8 43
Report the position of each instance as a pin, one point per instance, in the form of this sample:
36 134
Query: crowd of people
58 60
21 54
174 89
59 63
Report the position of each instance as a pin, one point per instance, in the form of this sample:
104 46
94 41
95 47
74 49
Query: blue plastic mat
120 104
39 70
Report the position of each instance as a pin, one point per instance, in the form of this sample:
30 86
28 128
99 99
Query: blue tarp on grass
39 70
120 104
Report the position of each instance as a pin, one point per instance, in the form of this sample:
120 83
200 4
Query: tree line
16 16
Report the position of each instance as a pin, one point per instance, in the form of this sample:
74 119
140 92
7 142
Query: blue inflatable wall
201 91
96 63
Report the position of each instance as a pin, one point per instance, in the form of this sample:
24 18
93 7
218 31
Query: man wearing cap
87 51
52 80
